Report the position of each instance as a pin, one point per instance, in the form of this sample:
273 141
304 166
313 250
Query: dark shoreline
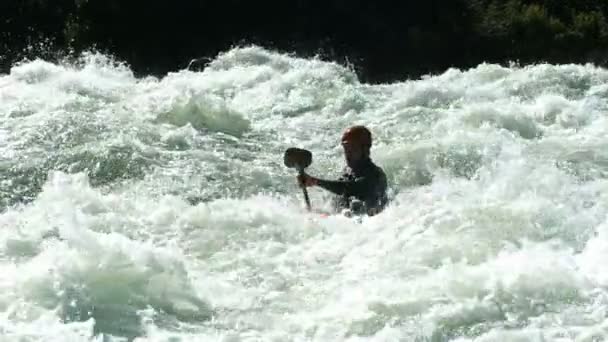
383 41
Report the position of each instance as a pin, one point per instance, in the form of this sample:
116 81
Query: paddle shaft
306 198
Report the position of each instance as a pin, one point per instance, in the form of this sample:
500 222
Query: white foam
188 226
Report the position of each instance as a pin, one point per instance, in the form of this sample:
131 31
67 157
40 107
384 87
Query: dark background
384 40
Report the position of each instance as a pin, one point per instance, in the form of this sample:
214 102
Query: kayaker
362 187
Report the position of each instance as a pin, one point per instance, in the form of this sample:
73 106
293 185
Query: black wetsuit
366 183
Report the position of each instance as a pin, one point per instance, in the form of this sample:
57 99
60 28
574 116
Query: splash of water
159 209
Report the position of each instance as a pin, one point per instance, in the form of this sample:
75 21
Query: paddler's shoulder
375 168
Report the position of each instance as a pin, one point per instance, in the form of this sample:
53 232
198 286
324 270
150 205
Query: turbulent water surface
159 209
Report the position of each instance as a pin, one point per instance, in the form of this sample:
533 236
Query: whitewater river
146 209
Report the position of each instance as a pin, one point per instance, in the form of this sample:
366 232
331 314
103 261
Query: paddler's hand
305 180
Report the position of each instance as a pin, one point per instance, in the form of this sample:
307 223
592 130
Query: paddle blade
297 158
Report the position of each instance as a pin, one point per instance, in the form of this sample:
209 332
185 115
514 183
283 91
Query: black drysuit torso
366 183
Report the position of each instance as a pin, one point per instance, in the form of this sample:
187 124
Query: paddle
299 159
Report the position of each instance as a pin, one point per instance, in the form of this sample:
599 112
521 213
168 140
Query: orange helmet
359 135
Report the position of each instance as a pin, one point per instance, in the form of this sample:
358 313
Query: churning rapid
160 209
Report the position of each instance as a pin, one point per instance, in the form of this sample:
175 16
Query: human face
353 153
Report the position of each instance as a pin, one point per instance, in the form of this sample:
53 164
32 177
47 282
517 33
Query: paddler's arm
354 187
336 187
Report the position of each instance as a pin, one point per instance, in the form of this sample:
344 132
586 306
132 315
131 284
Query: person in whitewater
362 187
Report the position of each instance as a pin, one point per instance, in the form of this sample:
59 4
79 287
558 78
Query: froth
175 218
